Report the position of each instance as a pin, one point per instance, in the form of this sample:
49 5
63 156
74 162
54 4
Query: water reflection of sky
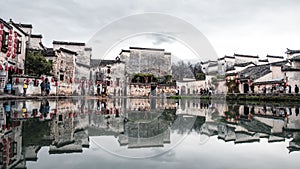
214 153
160 134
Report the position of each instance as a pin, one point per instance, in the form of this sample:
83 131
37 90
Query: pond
148 133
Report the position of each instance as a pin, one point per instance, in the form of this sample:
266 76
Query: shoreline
278 97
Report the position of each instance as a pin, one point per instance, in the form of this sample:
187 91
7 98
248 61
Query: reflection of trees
36 132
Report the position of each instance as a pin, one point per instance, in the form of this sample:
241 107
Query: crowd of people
280 89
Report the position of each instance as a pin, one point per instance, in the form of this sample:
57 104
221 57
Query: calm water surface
148 133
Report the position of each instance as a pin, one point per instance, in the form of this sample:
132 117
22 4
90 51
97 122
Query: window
15 148
61 78
4 42
19 47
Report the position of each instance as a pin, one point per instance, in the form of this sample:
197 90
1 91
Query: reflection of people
47 107
98 104
25 86
42 107
296 89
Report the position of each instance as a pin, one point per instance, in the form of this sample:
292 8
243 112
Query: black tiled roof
68 43
230 68
83 65
272 56
255 72
269 82
36 36
249 56
123 50
289 51
25 25
281 63
243 64
5 23
263 60
295 58
230 57
68 51
290 69
213 64
95 62
88 49
154 49
209 61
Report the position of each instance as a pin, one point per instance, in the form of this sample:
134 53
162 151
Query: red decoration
56 83
1 25
10 31
8 54
52 79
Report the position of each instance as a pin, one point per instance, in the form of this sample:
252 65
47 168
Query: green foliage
36 64
200 76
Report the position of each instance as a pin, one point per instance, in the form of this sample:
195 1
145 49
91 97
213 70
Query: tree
181 70
36 64
197 71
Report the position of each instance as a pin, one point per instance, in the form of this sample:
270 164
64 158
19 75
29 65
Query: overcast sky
253 27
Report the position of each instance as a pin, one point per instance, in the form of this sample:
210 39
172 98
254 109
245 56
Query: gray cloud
231 25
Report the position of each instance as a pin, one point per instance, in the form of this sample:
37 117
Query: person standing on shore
42 88
48 88
296 89
290 89
25 86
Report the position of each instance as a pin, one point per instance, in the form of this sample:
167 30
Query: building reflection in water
65 125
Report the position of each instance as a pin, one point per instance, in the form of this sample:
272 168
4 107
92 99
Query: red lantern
1 25
8 54
14 56
10 31
56 83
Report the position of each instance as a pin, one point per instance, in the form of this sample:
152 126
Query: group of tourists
281 89
45 87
